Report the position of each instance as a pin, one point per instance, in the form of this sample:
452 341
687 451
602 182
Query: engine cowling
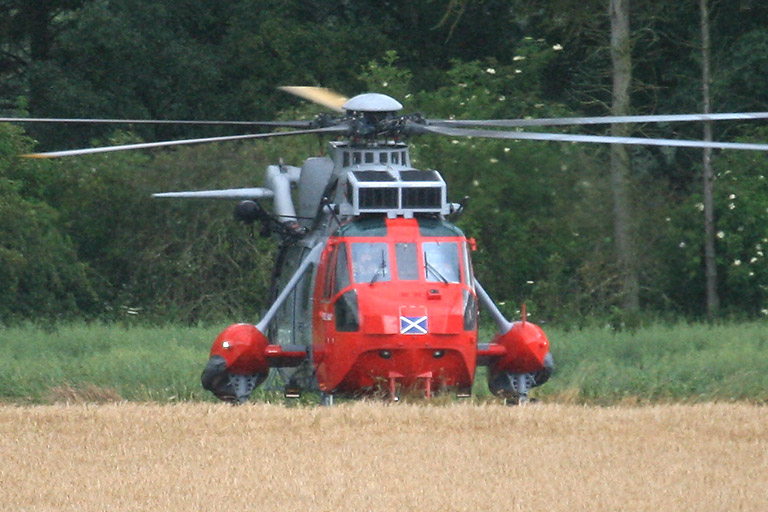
243 347
526 362
237 364
526 347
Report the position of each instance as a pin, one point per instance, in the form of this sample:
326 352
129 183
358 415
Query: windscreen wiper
434 271
381 270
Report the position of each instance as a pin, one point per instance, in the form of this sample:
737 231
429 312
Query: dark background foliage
82 238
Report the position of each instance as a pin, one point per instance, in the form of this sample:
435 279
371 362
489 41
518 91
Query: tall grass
681 363
659 363
131 363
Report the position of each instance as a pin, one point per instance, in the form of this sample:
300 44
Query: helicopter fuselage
394 303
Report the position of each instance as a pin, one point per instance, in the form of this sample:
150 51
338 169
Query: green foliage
659 363
40 275
160 260
741 211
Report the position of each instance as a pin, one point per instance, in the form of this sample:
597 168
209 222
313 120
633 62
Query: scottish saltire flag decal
413 325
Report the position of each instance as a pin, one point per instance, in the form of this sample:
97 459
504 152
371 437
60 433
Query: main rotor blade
147 145
231 193
287 124
571 121
595 139
319 95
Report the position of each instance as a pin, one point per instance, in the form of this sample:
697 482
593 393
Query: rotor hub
372 102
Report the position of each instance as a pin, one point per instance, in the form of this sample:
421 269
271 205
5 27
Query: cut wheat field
372 456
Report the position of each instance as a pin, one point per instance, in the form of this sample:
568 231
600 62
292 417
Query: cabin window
407 261
383 157
346 159
404 159
328 279
337 272
395 158
441 261
370 262
369 158
346 312
357 158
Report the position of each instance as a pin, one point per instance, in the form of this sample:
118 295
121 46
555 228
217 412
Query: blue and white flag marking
413 325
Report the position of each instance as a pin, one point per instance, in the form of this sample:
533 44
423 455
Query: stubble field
371 456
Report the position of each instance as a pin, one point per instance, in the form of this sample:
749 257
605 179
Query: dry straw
367 456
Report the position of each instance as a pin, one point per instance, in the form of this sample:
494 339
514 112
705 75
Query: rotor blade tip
320 95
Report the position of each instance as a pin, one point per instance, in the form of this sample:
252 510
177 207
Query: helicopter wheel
326 399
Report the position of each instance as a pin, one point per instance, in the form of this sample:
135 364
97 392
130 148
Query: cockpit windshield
370 262
441 261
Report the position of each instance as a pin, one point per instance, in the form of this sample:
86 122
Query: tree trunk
621 59
710 263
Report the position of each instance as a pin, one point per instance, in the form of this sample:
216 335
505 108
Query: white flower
557 47
720 235
507 150
494 160
454 141
490 71
731 206
732 196
475 183
385 84
518 71
699 206
752 259
737 262
529 282
764 311
518 57
682 245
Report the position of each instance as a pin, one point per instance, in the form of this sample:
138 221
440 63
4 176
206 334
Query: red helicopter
376 288
373 289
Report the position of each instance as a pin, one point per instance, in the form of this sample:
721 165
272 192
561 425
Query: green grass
136 363
660 363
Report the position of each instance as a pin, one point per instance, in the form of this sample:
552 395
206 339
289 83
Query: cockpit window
407 261
441 261
370 262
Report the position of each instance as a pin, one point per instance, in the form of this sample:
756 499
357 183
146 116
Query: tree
710 263
621 57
